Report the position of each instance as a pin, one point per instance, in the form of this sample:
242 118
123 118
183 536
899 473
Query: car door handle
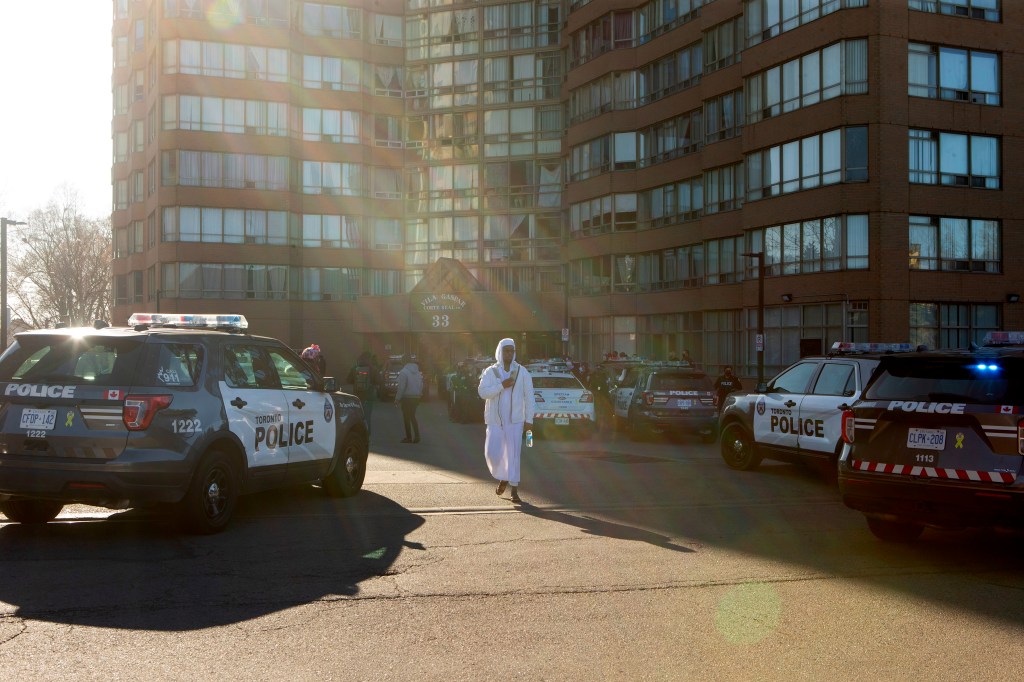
298 404
239 403
790 403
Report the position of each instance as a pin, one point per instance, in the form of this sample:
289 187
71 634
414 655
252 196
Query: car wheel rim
739 449
215 499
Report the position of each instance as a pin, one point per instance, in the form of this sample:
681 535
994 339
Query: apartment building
430 175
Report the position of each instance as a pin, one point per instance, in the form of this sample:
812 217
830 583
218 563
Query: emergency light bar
1003 339
193 320
848 347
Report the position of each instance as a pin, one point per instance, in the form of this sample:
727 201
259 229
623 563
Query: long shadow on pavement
147 576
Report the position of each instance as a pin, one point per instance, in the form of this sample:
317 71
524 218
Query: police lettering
40 391
927 408
275 435
800 427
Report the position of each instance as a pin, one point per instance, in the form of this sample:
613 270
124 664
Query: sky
56 105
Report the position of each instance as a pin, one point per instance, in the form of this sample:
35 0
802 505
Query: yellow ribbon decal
69 418
959 440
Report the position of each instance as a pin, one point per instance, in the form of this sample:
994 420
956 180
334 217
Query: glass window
835 379
794 379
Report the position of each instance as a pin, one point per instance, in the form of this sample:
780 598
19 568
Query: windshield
72 360
680 382
556 382
966 380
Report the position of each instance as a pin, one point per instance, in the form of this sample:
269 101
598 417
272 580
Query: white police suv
181 410
797 416
563 404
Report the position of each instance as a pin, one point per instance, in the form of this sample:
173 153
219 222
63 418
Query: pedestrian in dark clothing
726 384
410 390
365 380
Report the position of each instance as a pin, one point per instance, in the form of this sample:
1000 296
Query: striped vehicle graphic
102 418
933 472
554 415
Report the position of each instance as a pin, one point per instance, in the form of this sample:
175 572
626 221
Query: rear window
556 382
72 360
952 380
679 382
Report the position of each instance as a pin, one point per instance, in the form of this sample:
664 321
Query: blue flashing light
983 367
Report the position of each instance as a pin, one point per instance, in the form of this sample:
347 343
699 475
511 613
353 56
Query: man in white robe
507 388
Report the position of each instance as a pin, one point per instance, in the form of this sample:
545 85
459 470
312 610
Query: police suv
797 415
937 440
665 396
182 410
562 403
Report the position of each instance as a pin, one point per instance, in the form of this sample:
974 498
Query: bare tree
60 265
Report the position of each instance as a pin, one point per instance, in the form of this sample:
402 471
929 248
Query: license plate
926 439
561 421
684 404
38 419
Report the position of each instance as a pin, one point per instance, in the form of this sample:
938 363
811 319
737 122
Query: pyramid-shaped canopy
447 276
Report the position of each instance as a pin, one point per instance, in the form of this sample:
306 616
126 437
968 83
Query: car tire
639 431
31 511
346 478
894 531
212 497
738 449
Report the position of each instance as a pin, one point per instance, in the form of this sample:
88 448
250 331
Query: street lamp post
4 222
759 256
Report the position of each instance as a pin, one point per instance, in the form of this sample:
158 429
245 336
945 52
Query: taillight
587 397
1020 437
648 397
138 410
848 426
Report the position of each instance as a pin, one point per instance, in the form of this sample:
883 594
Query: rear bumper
682 422
933 502
99 483
576 421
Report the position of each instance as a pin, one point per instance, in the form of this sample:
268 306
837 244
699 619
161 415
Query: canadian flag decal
1007 409
113 394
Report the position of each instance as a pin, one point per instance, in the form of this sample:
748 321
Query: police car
666 396
796 417
563 404
181 410
937 440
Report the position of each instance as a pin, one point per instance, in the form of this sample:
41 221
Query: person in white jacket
507 388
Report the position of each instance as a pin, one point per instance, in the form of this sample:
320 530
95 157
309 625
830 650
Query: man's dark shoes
515 496
501 487
406 440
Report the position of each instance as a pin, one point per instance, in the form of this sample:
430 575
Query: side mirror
330 385
762 387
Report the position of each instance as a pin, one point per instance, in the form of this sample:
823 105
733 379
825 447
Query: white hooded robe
504 440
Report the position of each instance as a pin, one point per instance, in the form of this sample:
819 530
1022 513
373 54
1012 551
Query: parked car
186 411
796 417
665 396
937 440
563 405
